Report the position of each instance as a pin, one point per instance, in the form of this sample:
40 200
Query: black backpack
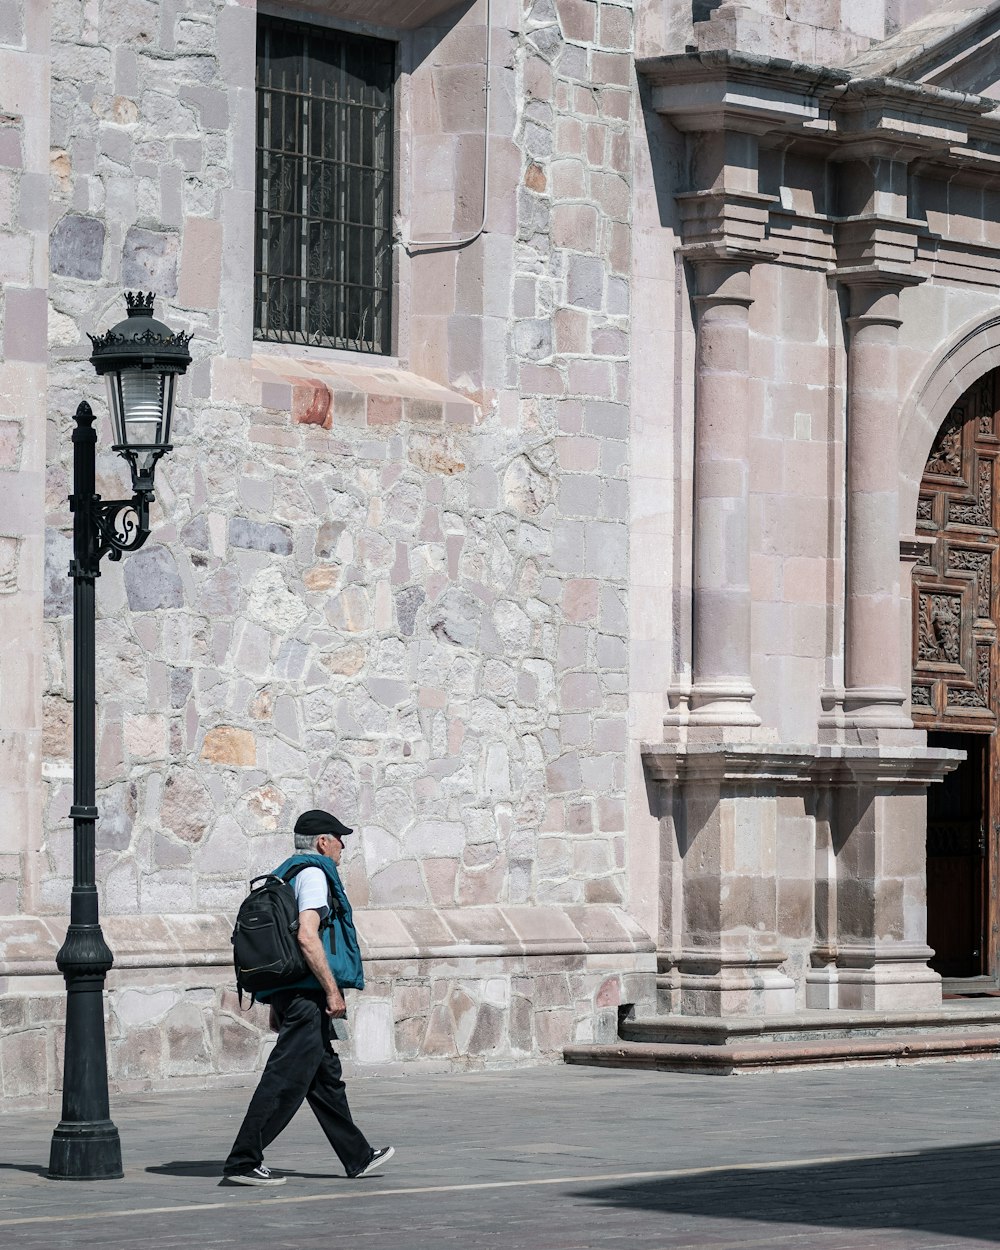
266 949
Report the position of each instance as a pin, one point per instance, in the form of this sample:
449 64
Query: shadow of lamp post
141 359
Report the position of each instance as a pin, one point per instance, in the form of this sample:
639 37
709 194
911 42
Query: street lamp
141 359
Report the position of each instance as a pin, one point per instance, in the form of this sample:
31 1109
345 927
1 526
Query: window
323 258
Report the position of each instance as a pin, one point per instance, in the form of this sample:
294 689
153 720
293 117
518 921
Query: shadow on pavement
188 1167
950 1190
213 1168
36 1168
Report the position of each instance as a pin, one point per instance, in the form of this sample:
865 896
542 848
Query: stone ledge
329 394
28 944
726 1060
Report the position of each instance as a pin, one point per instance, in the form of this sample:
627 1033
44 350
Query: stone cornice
721 89
791 765
28 944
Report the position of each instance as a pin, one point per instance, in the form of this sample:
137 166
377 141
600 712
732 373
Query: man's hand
335 1005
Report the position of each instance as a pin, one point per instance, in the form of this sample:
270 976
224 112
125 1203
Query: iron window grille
323 254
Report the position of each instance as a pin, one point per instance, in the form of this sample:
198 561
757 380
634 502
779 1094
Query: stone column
873 698
722 692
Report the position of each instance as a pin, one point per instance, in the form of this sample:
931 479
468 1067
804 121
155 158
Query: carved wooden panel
955 580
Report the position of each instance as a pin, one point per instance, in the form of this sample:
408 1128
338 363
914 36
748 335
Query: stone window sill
341 394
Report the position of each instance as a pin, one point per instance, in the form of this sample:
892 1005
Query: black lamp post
141 359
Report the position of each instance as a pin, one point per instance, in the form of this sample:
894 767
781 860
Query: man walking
303 1063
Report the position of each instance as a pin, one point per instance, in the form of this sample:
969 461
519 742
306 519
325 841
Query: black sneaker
375 1160
256 1176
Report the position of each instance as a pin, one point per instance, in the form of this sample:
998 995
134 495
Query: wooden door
955 687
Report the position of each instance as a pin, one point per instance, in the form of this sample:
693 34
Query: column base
723 702
863 715
894 977
704 982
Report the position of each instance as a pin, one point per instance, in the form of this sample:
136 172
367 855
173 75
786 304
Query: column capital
879 242
726 219
874 292
722 273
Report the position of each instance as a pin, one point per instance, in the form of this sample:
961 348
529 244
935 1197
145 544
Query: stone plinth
731 924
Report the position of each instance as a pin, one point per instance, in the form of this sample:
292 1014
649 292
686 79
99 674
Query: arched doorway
955 680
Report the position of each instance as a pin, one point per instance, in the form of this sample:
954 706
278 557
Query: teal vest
345 957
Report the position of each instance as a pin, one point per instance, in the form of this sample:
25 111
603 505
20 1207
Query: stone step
813 1026
765 1055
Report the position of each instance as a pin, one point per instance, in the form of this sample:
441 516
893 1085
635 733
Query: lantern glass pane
169 383
116 405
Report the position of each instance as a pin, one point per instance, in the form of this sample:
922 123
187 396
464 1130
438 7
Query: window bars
323 254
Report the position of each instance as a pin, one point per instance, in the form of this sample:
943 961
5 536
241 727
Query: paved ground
551 1159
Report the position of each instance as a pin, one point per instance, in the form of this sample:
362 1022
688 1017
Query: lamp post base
87 1150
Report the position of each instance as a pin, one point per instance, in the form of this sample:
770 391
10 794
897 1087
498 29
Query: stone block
152 580
25 326
260 536
230 746
149 261
201 263
186 809
585 282
76 247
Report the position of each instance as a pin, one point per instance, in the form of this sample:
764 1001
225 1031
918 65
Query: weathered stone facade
551 603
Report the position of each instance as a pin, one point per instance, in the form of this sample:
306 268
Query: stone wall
395 587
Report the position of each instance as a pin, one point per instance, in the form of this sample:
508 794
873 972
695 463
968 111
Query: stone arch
973 351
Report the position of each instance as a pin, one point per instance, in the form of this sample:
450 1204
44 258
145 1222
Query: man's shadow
212 1168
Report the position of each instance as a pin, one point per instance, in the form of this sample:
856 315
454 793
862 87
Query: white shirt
311 891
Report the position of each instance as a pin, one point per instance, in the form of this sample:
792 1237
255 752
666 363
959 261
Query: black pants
302 1065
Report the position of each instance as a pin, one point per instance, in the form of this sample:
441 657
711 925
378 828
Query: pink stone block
578 454
596 143
580 692
571 329
580 599
384 409
575 226
615 104
570 412
616 27
538 79
612 194
578 19
201 263
569 180
25 333
591 378
541 380
569 137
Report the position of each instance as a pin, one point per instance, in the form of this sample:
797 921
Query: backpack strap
333 907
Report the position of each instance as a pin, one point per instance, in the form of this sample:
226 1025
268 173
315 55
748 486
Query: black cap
315 823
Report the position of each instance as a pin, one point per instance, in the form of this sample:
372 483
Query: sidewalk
546 1158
